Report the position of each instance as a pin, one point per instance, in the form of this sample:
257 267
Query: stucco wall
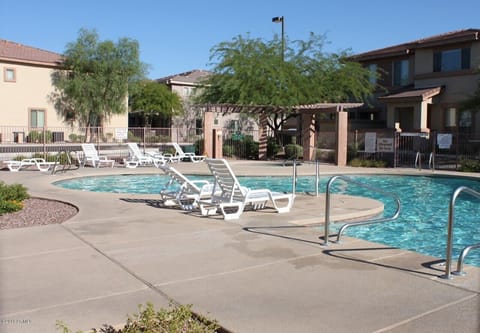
31 90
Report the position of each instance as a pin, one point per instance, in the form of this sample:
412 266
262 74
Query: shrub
132 138
174 319
37 136
273 148
251 147
11 197
199 146
357 162
469 165
244 146
293 151
73 137
227 150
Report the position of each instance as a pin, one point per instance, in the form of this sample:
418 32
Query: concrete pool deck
265 272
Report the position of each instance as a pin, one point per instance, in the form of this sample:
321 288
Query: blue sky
176 36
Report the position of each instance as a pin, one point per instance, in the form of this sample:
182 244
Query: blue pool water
421 227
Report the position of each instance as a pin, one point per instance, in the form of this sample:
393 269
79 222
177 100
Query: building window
465 119
401 73
9 75
37 118
198 126
451 60
187 91
373 73
451 117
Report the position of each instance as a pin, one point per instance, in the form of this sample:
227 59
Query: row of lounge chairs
225 195
90 157
136 157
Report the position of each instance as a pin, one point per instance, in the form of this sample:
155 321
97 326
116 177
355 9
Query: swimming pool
421 227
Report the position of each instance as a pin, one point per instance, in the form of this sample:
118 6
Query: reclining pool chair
182 191
90 156
233 198
29 163
180 155
136 157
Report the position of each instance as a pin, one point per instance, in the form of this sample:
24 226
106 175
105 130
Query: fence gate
413 149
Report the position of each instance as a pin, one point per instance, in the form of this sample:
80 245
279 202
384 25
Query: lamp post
281 19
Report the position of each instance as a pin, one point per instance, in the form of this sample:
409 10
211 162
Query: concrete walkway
265 272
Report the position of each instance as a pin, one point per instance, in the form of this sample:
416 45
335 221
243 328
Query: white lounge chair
147 159
234 198
182 191
29 163
180 155
91 157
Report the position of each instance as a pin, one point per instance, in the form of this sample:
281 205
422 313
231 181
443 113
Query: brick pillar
208 118
342 138
308 137
262 149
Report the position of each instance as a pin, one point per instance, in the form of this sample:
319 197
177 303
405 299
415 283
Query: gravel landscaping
38 211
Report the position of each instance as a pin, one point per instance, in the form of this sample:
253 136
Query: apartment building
422 84
25 89
190 123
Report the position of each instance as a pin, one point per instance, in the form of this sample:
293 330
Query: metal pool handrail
451 220
358 223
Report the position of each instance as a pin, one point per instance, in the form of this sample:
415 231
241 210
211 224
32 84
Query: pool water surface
421 226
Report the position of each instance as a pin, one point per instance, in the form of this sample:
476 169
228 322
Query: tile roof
417 94
407 48
189 78
15 52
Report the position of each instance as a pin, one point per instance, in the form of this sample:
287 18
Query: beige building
190 123
426 82
25 88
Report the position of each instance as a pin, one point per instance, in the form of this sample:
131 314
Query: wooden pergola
213 135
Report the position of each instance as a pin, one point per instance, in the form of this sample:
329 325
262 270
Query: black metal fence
22 142
447 150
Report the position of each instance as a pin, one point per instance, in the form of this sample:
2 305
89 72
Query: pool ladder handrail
451 221
418 161
358 223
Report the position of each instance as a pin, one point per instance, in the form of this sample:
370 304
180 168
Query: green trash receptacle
188 149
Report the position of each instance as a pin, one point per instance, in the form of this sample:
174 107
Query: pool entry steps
358 223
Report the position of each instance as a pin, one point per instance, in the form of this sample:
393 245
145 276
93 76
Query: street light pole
281 19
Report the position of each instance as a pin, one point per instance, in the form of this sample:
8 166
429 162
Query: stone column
342 138
208 118
262 137
308 137
217 143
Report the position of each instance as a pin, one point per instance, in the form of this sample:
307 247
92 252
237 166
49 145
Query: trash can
188 148
18 137
57 137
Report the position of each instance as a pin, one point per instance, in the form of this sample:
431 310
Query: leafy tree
93 83
154 99
250 72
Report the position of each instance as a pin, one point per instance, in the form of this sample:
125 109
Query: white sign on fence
385 145
444 140
121 133
370 142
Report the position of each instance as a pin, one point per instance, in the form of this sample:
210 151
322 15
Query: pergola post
308 137
342 138
263 139
208 118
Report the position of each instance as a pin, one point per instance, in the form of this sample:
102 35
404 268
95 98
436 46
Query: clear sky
176 36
